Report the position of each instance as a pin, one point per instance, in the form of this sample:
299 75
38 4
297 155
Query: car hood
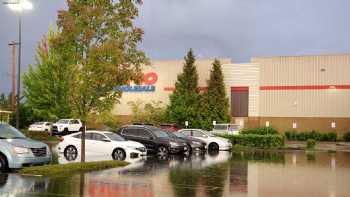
26 143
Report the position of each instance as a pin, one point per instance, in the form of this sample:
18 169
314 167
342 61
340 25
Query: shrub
310 144
346 137
260 131
39 135
259 141
303 136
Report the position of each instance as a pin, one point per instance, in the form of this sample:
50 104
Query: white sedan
213 142
100 143
40 126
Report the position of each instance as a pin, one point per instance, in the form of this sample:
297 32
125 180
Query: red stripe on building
171 89
306 87
240 89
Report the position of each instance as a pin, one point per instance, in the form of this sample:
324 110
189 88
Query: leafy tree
153 112
102 42
5 101
216 96
47 84
184 100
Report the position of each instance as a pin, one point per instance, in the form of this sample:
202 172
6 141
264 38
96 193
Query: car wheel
119 154
3 163
81 129
213 147
70 153
65 131
162 151
189 150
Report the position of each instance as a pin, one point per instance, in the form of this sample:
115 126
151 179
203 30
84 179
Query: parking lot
221 174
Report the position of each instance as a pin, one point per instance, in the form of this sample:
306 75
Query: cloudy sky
237 29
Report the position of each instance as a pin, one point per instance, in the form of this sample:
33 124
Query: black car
154 139
194 145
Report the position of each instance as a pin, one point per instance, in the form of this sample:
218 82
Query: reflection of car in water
13 184
101 143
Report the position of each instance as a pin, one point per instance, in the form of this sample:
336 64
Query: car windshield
171 134
114 137
9 132
208 133
160 133
63 121
178 134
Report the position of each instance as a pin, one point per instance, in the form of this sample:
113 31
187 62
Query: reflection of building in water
239 178
119 189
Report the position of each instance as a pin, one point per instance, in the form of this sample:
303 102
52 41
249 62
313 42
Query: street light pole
18 97
19 5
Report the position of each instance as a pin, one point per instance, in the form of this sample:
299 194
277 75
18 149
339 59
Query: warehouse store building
295 92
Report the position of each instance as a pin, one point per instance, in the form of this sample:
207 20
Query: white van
231 129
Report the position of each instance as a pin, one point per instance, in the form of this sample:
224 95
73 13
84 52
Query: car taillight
60 139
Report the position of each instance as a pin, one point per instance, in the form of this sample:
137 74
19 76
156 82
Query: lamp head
20 5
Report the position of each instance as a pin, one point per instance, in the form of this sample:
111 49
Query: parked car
231 129
213 142
66 126
40 126
169 127
153 138
100 143
17 151
193 144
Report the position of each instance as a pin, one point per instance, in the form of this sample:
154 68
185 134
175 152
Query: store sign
149 81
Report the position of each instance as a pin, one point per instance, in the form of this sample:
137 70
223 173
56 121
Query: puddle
220 175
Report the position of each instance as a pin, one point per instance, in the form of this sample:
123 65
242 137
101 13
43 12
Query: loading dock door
239 101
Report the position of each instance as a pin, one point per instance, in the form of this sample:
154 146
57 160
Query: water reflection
224 174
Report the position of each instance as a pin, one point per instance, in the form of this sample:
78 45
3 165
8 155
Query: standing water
270 174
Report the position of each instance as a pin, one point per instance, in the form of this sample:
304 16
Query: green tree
216 96
152 112
47 84
5 101
184 100
102 43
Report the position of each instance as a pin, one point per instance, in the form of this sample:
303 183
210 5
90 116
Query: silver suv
17 151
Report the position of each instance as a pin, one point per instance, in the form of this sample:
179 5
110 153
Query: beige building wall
304 86
247 75
167 72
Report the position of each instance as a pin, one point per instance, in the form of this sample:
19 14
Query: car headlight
174 144
20 150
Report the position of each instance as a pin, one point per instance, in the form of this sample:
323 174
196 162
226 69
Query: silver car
17 151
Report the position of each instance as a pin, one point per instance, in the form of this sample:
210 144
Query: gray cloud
238 29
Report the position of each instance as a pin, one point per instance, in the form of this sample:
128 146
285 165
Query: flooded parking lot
214 175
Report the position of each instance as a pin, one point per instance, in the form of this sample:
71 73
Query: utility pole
13 74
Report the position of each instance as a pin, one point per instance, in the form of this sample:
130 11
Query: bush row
303 136
346 137
259 131
39 135
258 141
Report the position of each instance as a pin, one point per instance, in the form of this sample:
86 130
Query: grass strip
70 168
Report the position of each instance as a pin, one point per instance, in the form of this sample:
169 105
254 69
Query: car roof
143 126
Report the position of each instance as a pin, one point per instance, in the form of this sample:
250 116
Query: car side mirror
151 138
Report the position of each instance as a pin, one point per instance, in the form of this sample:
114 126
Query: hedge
258 141
303 136
260 131
39 135
346 137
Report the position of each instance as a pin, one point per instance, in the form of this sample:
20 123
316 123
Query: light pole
18 6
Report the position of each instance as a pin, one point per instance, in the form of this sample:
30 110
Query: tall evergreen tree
184 100
47 84
216 95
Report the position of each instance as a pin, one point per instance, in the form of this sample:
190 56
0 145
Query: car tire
119 154
3 163
65 131
81 129
162 151
214 147
70 153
